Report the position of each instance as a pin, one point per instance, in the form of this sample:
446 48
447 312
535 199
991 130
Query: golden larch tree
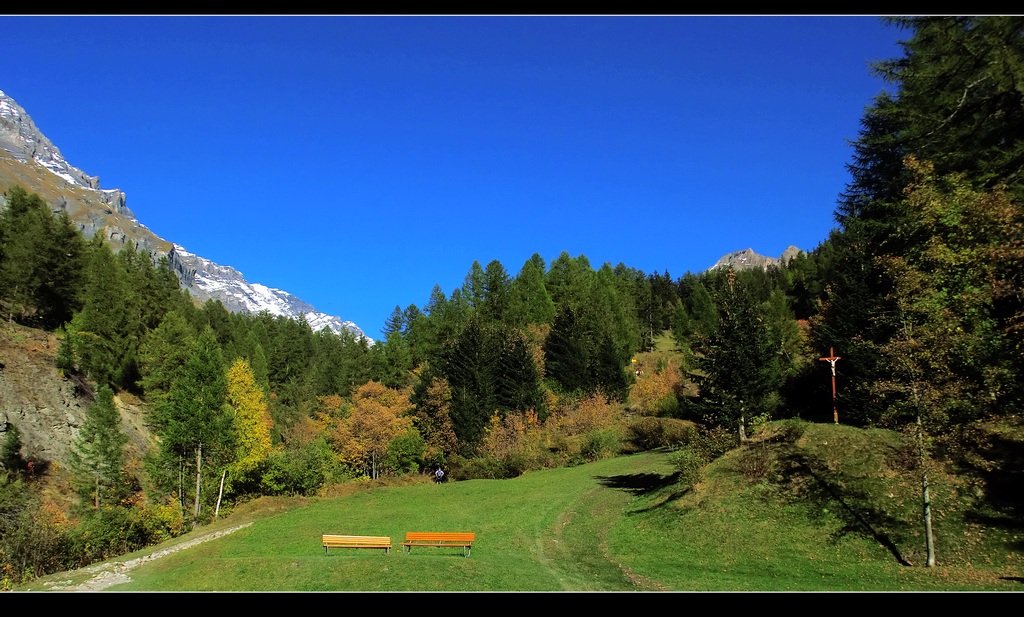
250 419
378 415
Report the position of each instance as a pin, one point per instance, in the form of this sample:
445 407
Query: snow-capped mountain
28 158
210 280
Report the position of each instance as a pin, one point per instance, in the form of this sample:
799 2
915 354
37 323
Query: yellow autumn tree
327 420
378 415
577 417
433 420
251 421
656 390
513 433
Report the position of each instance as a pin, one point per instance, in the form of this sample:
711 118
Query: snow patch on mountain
224 283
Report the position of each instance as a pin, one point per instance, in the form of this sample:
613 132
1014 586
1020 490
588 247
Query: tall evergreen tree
104 324
41 262
193 423
497 282
97 456
956 104
474 287
395 323
529 301
738 363
163 353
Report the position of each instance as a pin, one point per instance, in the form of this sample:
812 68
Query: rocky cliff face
747 259
31 160
46 408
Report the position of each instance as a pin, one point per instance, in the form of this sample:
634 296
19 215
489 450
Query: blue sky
357 161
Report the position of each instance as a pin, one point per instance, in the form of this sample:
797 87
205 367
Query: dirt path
112 573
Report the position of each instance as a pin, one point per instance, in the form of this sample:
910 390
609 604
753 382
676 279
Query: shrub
405 453
649 433
689 464
303 470
601 443
113 530
712 442
755 463
33 539
790 430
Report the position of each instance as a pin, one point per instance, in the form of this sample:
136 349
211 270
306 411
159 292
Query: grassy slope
836 511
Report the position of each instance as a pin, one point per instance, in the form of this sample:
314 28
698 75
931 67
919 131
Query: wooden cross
832 359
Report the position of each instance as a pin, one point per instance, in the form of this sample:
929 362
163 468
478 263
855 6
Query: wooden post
832 359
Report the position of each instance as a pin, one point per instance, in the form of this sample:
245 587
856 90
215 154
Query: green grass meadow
831 514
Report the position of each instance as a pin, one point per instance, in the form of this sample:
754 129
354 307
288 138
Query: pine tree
738 362
163 353
474 286
957 107
494 305
528 299
104 323
568 352
395 323
97 456
41 262
193 424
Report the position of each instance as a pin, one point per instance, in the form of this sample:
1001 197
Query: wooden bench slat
457 539
339 541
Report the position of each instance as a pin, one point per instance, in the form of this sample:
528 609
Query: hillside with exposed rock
29 159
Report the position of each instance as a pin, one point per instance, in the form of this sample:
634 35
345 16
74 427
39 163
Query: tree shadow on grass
854 510
639 484
1003 506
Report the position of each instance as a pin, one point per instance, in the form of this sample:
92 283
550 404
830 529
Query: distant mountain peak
748 259
68 188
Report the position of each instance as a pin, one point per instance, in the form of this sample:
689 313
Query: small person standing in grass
438 476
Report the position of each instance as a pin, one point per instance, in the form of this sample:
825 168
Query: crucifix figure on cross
832 359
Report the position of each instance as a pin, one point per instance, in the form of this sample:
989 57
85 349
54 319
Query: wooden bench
463 540
335 541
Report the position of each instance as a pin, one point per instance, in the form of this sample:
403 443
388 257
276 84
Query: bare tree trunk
96 492
181 482
743 429
925 499
220 494
199 475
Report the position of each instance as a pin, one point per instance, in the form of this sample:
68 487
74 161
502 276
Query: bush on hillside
115 530
303 469
482 468
405 453
712 442
651 433
689 464
33 539
601 443
755 462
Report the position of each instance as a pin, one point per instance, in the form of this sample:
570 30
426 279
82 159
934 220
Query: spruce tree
97 456
494 305
529 301
739 367
193 424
